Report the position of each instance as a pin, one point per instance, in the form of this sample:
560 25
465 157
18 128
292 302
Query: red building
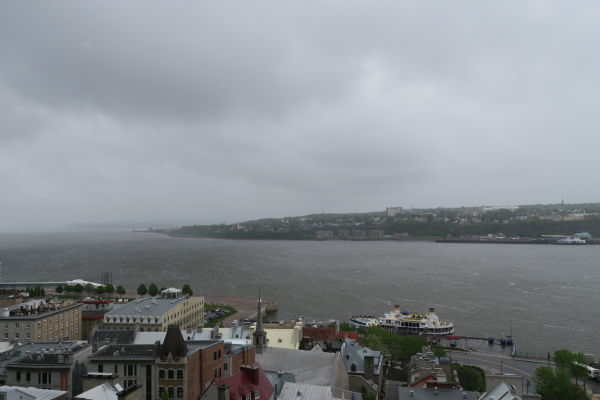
250 383
92 315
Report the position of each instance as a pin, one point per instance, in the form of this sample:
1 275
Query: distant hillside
516 221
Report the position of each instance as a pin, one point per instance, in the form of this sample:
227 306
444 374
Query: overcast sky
226 111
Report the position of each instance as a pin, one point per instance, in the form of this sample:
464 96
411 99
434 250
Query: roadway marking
501 364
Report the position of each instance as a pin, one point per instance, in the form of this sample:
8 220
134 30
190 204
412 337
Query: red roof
310 332
423 381
349 335
249 379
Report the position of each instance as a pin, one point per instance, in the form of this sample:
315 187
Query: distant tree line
35 291
78 288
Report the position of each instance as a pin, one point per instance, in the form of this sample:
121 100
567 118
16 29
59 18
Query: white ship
407 323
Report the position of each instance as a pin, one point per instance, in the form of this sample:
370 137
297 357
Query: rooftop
353 355
32 349
433 394
314 367
35 309
35 393
127 351
146 306
303 391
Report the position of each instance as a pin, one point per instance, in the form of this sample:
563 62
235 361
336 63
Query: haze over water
549 293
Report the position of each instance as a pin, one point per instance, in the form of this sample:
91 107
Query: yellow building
157 313
41 321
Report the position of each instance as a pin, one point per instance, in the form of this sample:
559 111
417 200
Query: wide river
550 295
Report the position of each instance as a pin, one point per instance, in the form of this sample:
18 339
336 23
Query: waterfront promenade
245 307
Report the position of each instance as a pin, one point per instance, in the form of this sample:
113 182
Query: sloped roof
314 367
101 392
248 380
174 343
500 391
354 354
37 394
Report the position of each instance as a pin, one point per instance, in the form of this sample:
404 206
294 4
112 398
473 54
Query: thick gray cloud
211 112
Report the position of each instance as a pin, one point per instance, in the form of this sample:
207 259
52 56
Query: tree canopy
142 290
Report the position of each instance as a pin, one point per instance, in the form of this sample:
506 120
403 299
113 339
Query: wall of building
58 325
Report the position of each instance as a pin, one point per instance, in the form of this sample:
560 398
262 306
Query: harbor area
245 307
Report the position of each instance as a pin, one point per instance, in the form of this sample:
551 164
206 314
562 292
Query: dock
246 308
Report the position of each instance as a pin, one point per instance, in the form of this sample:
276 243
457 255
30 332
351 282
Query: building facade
157 313
41 321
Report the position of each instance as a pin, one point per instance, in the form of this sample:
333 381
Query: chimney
222 392
369 367
252 372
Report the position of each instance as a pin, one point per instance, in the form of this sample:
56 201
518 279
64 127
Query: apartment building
52 365
41 321
157 313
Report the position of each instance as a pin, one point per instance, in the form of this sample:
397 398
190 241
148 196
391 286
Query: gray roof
500 391
37 394
430 394
146 306
123 351
317 368
113 336
354 354
47 348
278 379
291 390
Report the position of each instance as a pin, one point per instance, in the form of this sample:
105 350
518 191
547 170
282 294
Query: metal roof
354 354
146 306
37 394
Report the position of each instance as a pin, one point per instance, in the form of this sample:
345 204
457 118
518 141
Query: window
28 376
225 366
16 324
6 335
18 375
179 374
6 325
161 391
171 374
161 374
180 392
115 368
27 335
215 355
17 335
171 392
219 355
100 368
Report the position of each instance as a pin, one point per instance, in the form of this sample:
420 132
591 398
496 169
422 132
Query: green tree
152 289
470 377
59 289
120 290
186 289
89 288
142 290
100 290
78 288
110 289
557 385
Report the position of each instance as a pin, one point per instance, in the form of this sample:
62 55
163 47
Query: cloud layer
220 112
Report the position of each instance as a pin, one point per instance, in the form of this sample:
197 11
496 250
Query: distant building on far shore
392 211
324 235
